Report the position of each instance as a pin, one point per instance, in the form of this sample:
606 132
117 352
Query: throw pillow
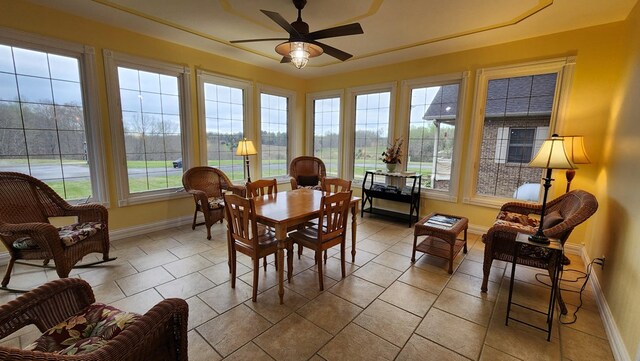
308 180
552 219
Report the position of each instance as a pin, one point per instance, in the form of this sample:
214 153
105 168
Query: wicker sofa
563 214
160 334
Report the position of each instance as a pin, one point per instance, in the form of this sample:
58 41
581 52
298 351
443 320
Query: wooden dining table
286 210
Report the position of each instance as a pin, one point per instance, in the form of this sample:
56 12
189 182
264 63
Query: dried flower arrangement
393 153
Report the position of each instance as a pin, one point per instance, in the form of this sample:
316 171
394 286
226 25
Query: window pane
36 137
273 127
432 125
516 121
224 119
152 134
326 133
372 131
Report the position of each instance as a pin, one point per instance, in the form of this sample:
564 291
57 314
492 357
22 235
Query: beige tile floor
386 308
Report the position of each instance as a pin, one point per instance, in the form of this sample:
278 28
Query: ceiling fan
301 44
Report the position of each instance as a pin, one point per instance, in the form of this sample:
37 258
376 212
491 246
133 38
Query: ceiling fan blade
252 40
285 60
330 50
282 22
343 30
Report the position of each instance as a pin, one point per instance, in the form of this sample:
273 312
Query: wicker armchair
564 213
26 204
208 185
160 334
306 171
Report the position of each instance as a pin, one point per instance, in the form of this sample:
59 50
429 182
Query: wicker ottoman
441 231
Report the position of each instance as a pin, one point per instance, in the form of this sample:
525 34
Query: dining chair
334 211
260 188
330 185
245 237
335 185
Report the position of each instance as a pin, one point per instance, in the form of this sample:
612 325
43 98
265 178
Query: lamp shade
574 147
245 147
552 155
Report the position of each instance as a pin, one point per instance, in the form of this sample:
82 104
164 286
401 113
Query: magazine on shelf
442 221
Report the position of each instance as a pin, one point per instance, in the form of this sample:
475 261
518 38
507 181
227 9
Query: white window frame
407 87
291 128
350 126
310 115
112 61
91 104
563 67
203 77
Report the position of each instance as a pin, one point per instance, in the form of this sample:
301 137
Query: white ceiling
394 30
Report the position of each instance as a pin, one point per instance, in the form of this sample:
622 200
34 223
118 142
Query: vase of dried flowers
391 156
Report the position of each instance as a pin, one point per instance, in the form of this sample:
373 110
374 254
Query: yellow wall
616 229
603 106
39 20
588 107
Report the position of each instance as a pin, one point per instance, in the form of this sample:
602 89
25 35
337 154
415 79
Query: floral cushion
527 225
522 219
87 331
69 235
215 202
316 187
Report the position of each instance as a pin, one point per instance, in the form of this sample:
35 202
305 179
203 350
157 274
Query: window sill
153 196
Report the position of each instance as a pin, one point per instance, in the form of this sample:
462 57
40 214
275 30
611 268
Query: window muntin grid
326 133
150 105
371 136
224 120
42 120
274 114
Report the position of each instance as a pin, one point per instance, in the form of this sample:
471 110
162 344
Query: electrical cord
583 275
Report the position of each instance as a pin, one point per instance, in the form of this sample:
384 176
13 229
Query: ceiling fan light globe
299 54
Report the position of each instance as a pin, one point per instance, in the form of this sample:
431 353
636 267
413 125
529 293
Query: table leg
513 276
281 236
354 214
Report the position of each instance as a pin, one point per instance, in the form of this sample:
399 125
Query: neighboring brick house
517 117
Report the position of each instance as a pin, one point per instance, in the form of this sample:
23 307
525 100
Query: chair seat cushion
84 332
69 235
316 187
215 202
522 219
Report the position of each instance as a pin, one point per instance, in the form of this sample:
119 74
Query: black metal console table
404 194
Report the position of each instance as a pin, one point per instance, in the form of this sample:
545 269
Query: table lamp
552 155
245 149
574 147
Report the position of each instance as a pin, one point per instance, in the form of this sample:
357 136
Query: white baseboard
613 333
477 229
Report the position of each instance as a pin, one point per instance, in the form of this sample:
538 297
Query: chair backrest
262 187
25 199
335 185
574 207
307 170
207 179
334 212
240 214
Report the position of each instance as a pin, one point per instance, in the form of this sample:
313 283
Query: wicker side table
442 240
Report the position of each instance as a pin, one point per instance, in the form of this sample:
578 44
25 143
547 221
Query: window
148 126
372 123
274 135
433 118
520 106
326 131
49 115
225 105
521 143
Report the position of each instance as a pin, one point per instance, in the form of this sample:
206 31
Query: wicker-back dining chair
307 171
208 185
26 204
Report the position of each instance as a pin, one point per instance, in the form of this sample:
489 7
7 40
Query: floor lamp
551 156
245 149
574 147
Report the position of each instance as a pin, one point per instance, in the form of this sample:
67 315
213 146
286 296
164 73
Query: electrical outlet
600 261
603 259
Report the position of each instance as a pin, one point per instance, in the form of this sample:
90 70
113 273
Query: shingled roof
507 97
